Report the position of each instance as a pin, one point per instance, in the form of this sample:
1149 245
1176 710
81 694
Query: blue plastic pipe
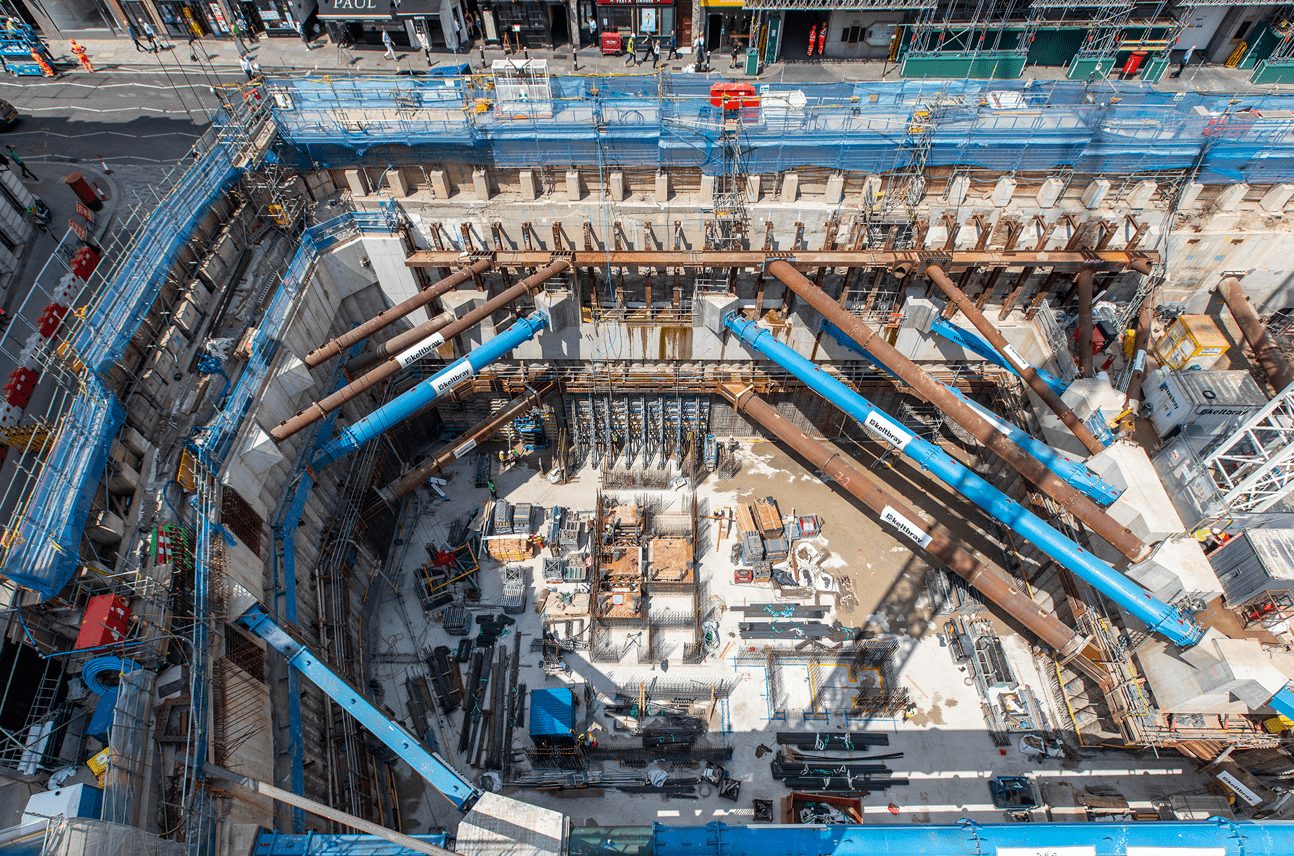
438 773
1154 613
977 344
403 406
1074 473
1183 838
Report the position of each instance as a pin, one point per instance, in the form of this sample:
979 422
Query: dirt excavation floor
760 676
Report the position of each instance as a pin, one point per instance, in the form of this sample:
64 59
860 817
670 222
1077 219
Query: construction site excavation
522 464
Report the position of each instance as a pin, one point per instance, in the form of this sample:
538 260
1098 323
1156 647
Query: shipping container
1209 401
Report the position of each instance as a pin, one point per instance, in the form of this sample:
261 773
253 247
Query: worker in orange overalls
81 55
813 38
45 68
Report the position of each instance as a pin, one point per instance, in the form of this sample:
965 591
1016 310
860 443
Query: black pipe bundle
852 741
843 784
784 768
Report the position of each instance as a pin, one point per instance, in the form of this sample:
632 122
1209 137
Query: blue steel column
1075 474
438 773
1154 613
403 406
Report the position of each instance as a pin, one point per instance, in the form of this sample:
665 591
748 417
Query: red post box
84 191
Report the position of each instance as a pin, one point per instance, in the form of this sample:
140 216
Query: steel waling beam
438 773
1075 473
1158 616
408 403
976 344
754 259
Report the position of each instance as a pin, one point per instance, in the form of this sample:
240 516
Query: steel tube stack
1118 535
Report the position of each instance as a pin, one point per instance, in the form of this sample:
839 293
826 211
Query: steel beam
956 260
1119 536
912 526
389 316
1085 276
1266 351
939 277
408 348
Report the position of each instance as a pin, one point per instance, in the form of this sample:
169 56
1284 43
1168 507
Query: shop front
726 25
518 24
273 17
361 23
440 22
641 19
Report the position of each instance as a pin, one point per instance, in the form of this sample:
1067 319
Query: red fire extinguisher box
106 619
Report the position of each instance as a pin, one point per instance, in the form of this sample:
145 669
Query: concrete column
957 190
574 187
357 181
1141 195
1095 192
1190 195
752 188
790 186
481 184
707 187
529 185
835 190
399 187
1049 193
1003 192
1277 198
440 185
616 186
1229 199
662 187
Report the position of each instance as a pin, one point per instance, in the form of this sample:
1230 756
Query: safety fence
665 120
41 546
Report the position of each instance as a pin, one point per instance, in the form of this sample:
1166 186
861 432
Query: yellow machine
1191 342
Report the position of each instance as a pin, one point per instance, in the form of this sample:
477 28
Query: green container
1273 71
1095 67
986 65
752 61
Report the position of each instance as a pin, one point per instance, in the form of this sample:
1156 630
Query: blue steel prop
1154 613
977 344
1184 838
1074 473
403 406
429 765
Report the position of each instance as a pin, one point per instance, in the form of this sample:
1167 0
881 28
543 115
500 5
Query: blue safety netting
43 554
646 121
217 438
125 299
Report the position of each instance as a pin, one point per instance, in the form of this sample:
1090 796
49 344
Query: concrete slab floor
948 754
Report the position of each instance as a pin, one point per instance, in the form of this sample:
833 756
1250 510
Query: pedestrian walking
673 48
21 164
655 53
631 58
424 42
193 48
245 63
458 39
134 37
151 35
388 44
1185 60
698 48
736 53
494 493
